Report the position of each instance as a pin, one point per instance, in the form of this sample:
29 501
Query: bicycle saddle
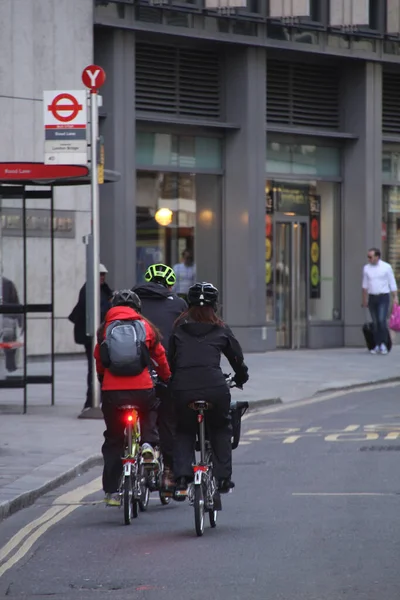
200 405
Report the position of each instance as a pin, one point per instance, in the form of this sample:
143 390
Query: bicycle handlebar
230 382
229 378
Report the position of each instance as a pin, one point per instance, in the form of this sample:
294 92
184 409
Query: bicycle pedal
180 495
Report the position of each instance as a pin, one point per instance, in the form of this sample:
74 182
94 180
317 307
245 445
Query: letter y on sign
93 77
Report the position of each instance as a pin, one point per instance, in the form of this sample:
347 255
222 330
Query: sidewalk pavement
50 445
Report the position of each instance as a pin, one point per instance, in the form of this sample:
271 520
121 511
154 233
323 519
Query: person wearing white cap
78 318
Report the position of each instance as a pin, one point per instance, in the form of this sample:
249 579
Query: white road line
43 523
344 494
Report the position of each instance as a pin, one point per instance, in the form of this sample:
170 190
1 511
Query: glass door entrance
291 282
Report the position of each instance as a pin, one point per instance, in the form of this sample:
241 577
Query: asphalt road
315 516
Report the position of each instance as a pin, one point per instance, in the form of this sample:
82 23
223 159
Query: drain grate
380 448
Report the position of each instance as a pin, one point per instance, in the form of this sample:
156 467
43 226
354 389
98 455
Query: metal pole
52 293
95 239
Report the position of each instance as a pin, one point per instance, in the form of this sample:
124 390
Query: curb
253 405
18 501
354 386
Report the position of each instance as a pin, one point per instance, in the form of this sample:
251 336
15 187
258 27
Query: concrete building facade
269 148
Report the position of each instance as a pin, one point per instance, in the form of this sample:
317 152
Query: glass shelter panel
38 345
27 273
12 371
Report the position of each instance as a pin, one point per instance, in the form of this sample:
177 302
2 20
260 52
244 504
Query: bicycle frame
133 439
202 466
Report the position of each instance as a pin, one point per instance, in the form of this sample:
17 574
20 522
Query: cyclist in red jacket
121 387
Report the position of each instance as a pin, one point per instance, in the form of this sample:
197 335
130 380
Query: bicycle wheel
127 499
213 515
165 500
144 497
134 498
135 508
199 509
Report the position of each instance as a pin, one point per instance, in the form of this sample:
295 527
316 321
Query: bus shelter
29 225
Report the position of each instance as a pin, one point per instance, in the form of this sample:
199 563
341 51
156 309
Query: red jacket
157 353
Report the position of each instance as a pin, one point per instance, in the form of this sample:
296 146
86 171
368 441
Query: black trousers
218 431
89 356
166 424
113 446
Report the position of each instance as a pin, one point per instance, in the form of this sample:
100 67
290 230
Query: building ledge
391 139
326 133
177 120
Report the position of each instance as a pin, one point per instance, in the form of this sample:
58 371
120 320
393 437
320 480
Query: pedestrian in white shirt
378 283
185 272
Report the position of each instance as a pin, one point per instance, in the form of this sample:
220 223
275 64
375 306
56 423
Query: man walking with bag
377 285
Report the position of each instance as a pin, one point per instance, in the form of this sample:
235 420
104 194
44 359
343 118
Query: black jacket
161 306
78 315
195 354
10 296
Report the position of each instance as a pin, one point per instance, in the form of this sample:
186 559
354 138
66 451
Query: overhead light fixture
163 216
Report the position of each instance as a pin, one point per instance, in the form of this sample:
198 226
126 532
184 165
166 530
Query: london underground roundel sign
93 77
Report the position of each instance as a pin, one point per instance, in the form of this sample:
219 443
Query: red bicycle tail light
131 417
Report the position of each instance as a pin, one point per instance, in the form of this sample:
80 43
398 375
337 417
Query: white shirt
185 278
379 278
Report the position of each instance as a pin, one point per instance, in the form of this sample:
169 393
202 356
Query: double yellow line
62 507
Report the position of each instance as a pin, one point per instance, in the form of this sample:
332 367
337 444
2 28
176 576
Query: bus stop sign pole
94 77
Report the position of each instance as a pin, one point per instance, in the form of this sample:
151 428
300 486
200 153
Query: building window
253 7
164 149
393 17
327 306
375 11
315 11
362 14
302 159
177 212
391 228
391 164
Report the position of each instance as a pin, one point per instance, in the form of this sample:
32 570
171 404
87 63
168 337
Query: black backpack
123 350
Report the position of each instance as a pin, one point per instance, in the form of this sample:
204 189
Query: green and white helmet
160 273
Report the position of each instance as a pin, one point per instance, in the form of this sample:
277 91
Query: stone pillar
115 52
362 185
244 200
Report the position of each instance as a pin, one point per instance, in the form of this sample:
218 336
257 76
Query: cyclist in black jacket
162 307
196 345
159 304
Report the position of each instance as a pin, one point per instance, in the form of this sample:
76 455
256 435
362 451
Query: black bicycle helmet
126 298
202 294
